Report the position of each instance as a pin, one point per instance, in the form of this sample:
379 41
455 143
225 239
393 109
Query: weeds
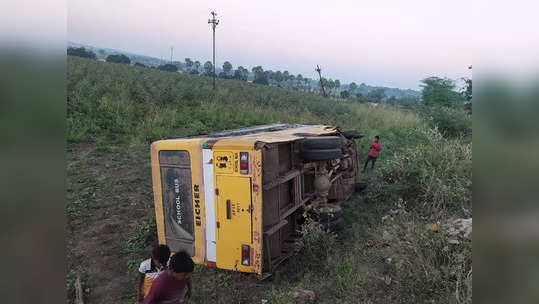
315 245
138 242
452 122
424 265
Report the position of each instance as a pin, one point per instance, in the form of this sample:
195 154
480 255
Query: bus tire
321 154
321 142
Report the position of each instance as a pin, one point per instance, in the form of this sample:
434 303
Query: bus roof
271 133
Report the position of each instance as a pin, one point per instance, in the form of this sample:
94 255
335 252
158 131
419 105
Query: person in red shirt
376 145
174 284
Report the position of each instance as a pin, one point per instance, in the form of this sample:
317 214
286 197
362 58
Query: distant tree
208 68
352 87
140 64
345 94
330 86
188 64
376 95
267 75
227 68
439 91
237 74
271 77
292 81
307 84
286 76
241 73
195 68
121 58
278 76
337 84
102 52
260 76
299 82
325 83
80 52
168 67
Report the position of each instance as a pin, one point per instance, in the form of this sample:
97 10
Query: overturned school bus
236 199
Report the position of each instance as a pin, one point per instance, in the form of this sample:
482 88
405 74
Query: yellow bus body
206 204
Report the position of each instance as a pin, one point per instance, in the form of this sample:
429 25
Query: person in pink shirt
376 145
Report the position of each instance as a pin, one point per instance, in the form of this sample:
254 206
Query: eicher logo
196 195
177 201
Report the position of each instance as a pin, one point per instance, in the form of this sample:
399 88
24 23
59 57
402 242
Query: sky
386 43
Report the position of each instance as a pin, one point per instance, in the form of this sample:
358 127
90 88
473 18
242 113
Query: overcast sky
388 43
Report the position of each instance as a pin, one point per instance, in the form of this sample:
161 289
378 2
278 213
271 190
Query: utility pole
214 22
319 70
171 50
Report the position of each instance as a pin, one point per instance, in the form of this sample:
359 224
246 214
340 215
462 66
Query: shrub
168 67
121 58
433 176
315 245
452 122
80 52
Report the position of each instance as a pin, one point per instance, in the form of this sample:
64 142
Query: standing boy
173 285
150 269
376 145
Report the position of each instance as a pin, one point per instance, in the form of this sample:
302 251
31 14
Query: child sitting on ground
150 269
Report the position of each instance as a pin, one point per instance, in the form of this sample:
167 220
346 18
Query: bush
433 176
315 245
168 67
452 122
121 58
80 52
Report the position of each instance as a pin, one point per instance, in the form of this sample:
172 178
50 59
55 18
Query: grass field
384 255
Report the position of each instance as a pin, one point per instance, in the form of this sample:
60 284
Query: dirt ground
112 193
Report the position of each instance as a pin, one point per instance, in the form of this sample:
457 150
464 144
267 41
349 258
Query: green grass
384 254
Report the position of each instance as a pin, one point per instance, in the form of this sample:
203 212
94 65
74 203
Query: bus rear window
177 198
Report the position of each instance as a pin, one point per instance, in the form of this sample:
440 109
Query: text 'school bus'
236 199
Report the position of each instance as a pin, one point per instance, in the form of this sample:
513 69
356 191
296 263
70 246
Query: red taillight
245 255
244 162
